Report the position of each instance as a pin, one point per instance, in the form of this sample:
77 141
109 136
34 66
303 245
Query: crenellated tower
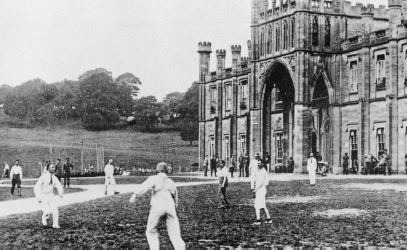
204 50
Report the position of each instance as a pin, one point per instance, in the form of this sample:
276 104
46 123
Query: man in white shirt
164 200
44 192
311 168
223 184
261 181
16 175
253 167
109 179
6 171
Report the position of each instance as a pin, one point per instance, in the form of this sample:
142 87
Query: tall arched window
292 32
327 32
285 35
277 37
315 27
269 39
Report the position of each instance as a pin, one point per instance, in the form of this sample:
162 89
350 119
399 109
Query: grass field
113 222
28 192
34 145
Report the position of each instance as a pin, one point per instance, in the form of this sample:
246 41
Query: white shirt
224 172
6 167
253 166
109 170
45 186
163 190
16 170
254 169
261 178
312 164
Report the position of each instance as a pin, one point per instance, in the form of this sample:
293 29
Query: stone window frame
228 96
226 139
242 142
279 147
244 92
379 126
315 30
211 139
269 39
349 129
380 75
262 43
327 41
292 40
285 35
278 37
353 75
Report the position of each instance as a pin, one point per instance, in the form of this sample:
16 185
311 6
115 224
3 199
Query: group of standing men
372 165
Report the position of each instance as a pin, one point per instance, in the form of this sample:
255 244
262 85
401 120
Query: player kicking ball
44 192
164 200
259 183
109 179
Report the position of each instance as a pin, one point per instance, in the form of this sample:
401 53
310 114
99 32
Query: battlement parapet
236 49
204 47
220 53
360 9
395 3
356 42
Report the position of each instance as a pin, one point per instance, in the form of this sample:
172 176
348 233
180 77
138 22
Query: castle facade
321 75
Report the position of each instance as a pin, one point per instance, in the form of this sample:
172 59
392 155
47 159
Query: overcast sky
156 40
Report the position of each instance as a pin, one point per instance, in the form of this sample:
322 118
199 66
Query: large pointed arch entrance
320 110
278 114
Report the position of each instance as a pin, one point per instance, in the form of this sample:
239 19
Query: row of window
226 149
228 96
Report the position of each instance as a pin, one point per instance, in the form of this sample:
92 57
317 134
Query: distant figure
311 168
6 171
345 164
68 168
254 166
318 157
384 162
213 165
405 162
246 165
164 200
232 165
267 162
368 164
16 175
44 191
290 165
258 186
58 169
223 183
109 179
241 166
206 165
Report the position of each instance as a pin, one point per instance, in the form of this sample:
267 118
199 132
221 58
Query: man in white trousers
164 200
44 191
253 167
109 179
258 185
311 168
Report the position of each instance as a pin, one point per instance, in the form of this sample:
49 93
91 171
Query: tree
99 105
147 112
4 91
171 103
188 114
48 92
68 100
130 80
93 72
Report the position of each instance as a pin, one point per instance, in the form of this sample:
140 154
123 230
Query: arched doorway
320 112
278 114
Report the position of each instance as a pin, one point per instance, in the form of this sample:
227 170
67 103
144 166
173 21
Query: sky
156 40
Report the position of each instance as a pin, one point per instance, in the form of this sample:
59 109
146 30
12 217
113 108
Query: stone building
321 76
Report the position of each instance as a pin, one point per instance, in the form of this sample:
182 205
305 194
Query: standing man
258 185
223 184
405 162
232 165
206 164
164 200
109 179
345 164
311 168
290 165
44 191
368 164
16 175
267 162
246 165
254 166
6 171
384 162
58 169
68 168
213 165
241 166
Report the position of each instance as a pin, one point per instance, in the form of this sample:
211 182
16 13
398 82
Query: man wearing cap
44 192
109 179
67 172
311 168
164 200
16 175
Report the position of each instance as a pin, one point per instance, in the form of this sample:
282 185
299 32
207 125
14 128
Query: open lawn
33 145
302 216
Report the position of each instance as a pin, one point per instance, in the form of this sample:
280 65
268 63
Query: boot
19 192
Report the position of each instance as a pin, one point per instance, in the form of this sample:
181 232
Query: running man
164 200
16 175
44 192
109 179
259 184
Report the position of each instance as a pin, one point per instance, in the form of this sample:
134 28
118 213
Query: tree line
101 102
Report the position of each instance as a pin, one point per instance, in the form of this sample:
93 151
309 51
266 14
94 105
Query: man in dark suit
246 165
68 168
213 165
